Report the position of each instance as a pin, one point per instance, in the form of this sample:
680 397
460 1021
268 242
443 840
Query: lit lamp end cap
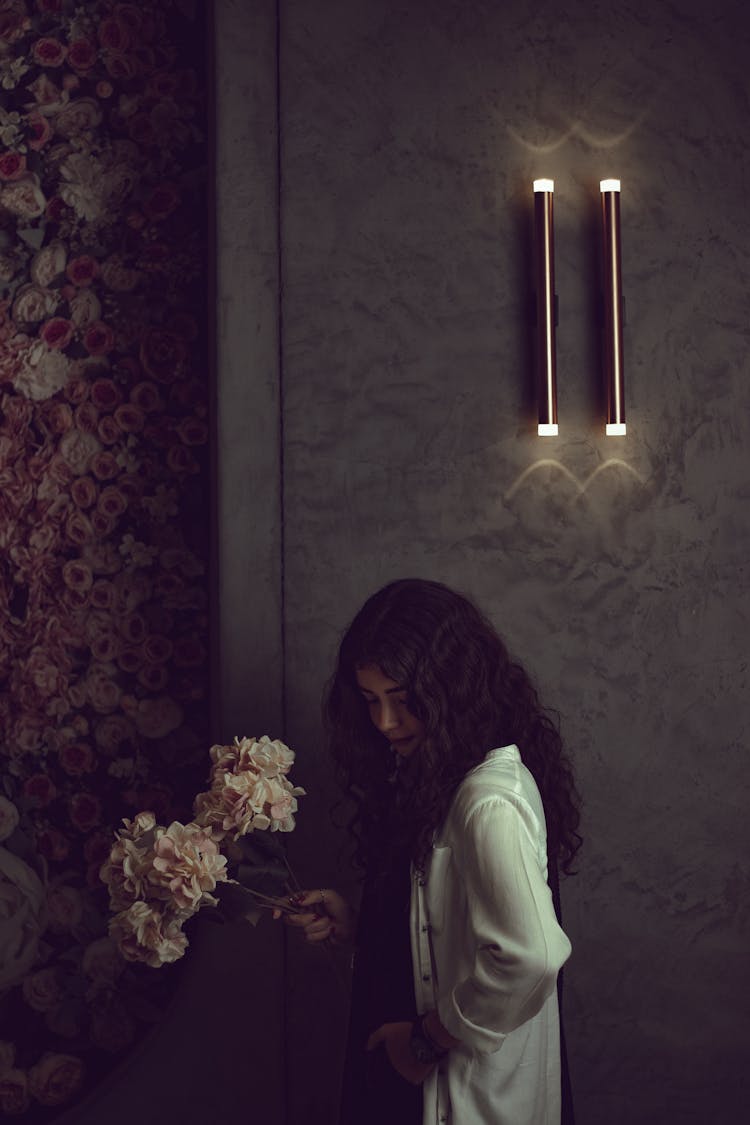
609 185
544 185
547 429
616 429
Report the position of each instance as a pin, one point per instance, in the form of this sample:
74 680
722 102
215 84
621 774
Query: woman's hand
331 917
395 1037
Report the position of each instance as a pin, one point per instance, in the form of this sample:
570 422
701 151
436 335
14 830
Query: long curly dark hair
470 697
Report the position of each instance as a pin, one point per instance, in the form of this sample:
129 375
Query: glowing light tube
612 328
544 263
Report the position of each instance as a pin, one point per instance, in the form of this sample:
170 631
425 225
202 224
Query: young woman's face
386 701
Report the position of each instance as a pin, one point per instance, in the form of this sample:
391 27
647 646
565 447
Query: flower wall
103 506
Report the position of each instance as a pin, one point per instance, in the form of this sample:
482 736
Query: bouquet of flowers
160 876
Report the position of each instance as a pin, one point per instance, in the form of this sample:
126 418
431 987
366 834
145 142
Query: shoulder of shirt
503 777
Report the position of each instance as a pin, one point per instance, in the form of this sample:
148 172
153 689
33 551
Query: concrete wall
615 568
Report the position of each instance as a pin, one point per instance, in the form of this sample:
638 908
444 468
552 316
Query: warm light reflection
547 429
616 429
612 463
544 185
609 185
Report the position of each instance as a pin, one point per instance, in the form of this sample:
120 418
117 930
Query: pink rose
48 52
153 677
59 417
133 628
79 531
55 1078
85 811
157 649
129 418
99 339
104 466
181 460
82 54
163 355
101 961
113 34
86 417
27 733
52 845
130 658
52 6
163 200
12 165
39 131
105 394
102 594
82 270
104 89
57 332
77 575
105 647
108 431
83 492
77 758
77 390
189 653
146 396
40 789
112 502
193 431
120 66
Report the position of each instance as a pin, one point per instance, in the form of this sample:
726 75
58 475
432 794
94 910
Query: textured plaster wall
616 569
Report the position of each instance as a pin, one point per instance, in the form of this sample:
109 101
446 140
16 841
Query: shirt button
426 976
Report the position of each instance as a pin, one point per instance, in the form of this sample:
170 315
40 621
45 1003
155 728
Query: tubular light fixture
613 308
544 261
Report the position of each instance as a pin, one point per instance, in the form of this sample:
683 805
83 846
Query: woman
462 792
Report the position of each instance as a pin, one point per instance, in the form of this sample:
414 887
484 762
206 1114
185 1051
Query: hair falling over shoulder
470 697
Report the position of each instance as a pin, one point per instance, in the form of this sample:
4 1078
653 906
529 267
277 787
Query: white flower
22 917
9 817
44 372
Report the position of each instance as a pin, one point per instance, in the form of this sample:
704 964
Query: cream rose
48 263
24 198
145 934
64 908
44 372
55 1078
102 963
41 990
78 116
9 818
77 449
14 1091
33 304
22 917
85 308
155 718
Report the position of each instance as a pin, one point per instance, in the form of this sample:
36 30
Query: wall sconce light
546 319
613 308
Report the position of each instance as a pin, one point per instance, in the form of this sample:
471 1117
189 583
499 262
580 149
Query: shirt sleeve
517 946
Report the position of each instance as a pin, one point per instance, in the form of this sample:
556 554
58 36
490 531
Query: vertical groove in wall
282 514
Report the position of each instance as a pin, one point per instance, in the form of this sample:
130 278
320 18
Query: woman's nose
386 718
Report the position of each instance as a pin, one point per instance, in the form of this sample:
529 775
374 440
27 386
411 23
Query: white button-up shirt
486 951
